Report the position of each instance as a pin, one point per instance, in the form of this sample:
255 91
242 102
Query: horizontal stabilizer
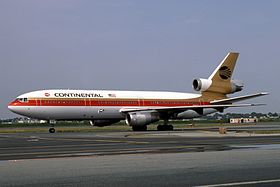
237 99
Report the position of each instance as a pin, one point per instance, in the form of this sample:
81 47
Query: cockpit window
23 100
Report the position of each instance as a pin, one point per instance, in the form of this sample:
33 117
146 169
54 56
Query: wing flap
183 108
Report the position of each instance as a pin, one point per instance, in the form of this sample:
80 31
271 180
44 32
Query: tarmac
187 158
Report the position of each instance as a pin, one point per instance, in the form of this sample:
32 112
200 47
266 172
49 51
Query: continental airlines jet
137 108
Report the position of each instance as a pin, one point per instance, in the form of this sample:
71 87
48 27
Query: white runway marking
242 183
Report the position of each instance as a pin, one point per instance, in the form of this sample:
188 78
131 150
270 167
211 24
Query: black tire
160 127
52 130
139 128
170 127
165 127
144 128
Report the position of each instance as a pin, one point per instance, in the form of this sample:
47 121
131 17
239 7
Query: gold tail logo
225 72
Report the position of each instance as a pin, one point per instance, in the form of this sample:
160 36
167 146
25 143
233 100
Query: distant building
243 120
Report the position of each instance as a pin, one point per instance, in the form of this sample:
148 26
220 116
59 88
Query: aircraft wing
239 98
184 108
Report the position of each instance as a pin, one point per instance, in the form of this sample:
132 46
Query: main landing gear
139 128
165 126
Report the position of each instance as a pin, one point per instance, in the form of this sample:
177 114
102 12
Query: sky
137 45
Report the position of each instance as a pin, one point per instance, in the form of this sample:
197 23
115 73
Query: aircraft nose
18 107
12 106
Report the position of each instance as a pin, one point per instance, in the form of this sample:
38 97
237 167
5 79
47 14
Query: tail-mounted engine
203 85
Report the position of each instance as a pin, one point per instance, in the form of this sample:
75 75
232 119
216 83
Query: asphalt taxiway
139 159
45 145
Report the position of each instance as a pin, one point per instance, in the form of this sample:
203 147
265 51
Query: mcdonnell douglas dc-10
137 108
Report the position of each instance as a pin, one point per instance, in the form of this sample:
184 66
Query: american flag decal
112 95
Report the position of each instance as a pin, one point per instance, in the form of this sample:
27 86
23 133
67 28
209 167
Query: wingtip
259 104
264 93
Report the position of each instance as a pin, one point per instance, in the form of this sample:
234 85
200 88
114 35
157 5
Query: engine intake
141 118
202 85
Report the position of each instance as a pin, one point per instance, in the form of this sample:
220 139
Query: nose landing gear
52 129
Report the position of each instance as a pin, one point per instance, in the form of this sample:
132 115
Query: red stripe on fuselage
106 102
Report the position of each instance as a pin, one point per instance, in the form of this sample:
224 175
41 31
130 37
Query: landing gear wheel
170 127
160 127
139 128
52 130
165 127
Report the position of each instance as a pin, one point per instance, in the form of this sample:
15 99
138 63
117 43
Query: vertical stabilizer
225 70
220 82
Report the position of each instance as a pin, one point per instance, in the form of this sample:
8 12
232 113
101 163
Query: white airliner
137 108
